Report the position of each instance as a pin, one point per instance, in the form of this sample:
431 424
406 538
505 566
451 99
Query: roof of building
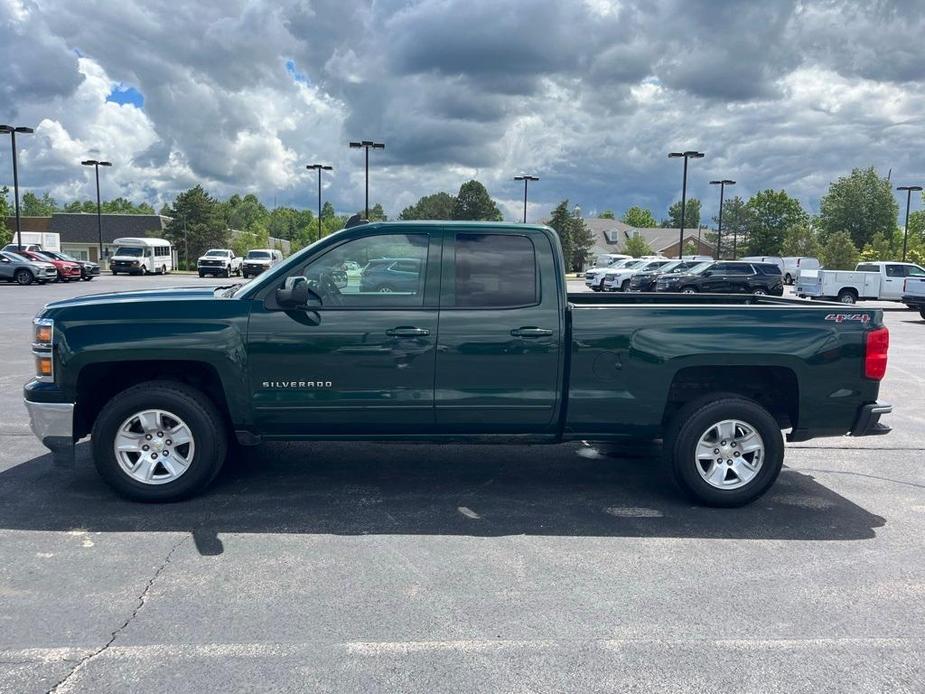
610 235
81 227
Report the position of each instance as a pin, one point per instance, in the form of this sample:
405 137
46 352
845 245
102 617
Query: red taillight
878 343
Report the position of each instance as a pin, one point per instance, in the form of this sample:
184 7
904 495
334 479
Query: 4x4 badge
842 317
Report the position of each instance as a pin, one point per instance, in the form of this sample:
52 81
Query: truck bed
632 353
661 299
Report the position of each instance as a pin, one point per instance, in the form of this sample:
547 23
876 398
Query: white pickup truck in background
883 281
914 294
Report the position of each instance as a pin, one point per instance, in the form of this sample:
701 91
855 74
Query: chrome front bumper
53 424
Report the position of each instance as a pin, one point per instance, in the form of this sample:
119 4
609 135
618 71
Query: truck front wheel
159 441
724 450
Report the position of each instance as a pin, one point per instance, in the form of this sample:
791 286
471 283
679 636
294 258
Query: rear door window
494 271
895 270
867 268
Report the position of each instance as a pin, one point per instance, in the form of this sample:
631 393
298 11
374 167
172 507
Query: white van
141 256
794 265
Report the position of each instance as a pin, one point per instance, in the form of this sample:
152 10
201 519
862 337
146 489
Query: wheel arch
98 382
774 387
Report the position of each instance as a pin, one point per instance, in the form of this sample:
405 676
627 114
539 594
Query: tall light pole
719 230
690 154
99 206
12 130
367 145
319 168
526 178
908 190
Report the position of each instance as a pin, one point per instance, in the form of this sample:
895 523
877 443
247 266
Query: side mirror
294 293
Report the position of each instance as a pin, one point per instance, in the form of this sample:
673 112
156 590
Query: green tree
637 246
691 215
839 252
561 222
474 203
327 211
736 215
880 248
197 222
6 234
434 206
35 206
642 218
377 214
860 203
246 214
606 214
581 242
116 206
770 214
800 240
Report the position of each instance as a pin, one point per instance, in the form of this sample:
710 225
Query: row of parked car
26 265
224 262
687 276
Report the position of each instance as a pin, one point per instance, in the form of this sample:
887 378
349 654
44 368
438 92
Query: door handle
407 331
531 332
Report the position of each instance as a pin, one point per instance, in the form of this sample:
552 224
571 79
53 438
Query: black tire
847 296
114 273
191 405
760 292
23 277
688 290
201 275
788 279
922 313
695 418
226 273
384 289
624 286
600 287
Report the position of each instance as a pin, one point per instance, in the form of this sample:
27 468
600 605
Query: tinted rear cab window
494 271
767 268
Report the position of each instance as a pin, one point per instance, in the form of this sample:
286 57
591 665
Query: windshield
257 255
632 263
20 258
131 251
671 266
216 254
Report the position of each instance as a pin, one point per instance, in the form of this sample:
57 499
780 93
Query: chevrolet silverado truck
486 346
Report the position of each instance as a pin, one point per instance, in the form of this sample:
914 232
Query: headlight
43 338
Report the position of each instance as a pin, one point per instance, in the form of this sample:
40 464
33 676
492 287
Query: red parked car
67 270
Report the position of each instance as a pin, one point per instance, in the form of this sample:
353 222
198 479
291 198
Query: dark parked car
725 277
88 269
391 275
645 281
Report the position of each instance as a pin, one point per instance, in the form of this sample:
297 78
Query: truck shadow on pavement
366 488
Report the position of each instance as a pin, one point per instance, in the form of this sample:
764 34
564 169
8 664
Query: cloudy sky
590 95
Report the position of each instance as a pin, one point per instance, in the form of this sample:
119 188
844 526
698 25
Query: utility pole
690 154
99 205
367 145
326 167
719 231
12 130
526 178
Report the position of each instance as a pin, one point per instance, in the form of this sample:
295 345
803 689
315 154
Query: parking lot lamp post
526 178
690 154
12 130
99 206
908 190
367 145
319 168
719 229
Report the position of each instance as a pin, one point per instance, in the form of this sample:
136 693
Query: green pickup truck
457 332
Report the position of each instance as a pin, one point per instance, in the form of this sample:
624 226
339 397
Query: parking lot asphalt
393 567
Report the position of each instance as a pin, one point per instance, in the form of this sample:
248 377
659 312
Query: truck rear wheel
159 441
922 313
724 450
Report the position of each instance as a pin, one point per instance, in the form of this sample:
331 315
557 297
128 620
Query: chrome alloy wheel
154 447
729 454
